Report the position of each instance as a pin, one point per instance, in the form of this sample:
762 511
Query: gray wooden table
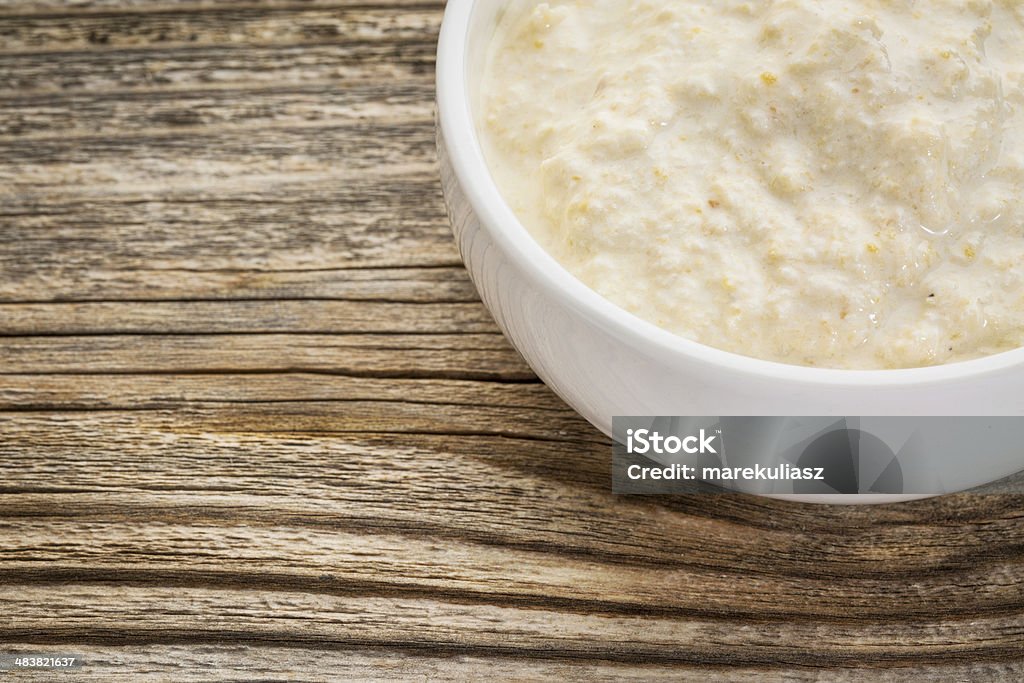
256 424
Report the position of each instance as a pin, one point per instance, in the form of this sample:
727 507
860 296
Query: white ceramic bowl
604 361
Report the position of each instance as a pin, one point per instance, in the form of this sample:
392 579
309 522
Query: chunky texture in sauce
816 182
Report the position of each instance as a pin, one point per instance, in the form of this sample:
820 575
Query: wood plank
440 284
219 662
390 550
212 67
417 624
253 25
536 482
85 8
139 283
126 392
82 114
248 317
284 150
374 222
422 356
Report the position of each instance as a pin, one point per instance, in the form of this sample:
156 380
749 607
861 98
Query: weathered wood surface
254 422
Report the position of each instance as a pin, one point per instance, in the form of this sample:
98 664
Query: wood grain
255 423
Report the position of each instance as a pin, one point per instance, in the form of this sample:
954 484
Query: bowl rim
459 132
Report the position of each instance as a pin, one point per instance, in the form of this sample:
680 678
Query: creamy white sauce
816 182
